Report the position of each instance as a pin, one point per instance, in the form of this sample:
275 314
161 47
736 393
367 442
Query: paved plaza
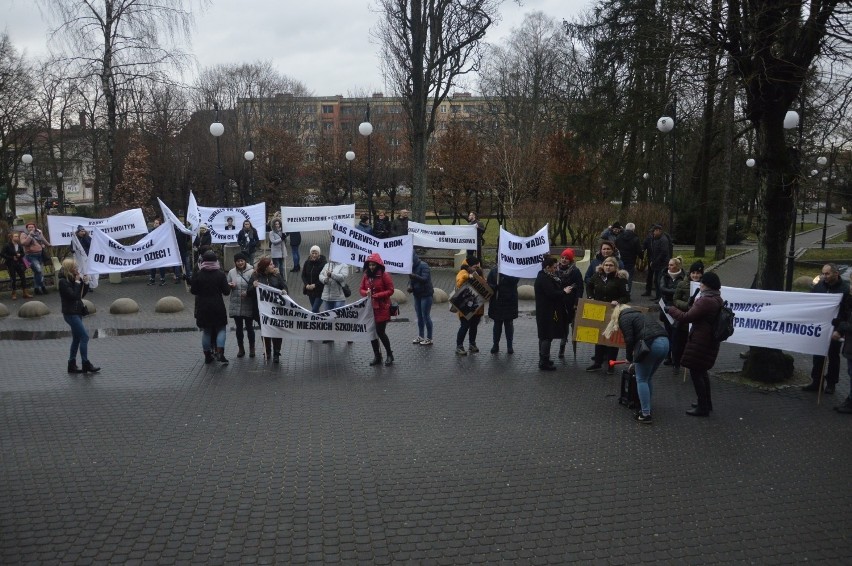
439 459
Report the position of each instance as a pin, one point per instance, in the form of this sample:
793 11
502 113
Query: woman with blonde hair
637 327
606 285
72 288
667 286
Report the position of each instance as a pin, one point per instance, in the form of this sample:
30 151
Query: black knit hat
697 266
240 255
711 280
209 255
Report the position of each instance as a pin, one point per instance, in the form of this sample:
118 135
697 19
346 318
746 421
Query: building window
327 109
455 108
443 109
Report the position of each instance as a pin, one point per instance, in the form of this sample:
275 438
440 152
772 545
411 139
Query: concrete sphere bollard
91 306
33 309
399 296
526 293
3 310
440 296
124 306
168 305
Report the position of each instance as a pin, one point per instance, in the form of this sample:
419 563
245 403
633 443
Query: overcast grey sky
326 45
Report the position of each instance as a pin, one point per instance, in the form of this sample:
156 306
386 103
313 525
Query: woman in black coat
266 273
548 310
248 240
72 288
606 285
503 308
209 285
701 348
312 286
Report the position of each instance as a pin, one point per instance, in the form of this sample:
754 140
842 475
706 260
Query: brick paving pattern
439 459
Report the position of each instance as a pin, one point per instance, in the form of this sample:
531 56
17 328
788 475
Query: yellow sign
587 334
592 311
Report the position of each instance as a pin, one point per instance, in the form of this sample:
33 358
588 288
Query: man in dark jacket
400 225
548 310
830 282
629 249
659 249
382 226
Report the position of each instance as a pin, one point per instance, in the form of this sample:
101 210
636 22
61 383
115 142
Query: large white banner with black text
157 249
281 317
225 223
522 257
795 322
312 218
122 225
443 237
352 246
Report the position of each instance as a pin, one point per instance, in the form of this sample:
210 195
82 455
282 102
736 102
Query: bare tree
427 46
121 41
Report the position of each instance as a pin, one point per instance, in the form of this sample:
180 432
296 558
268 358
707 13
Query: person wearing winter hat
683 300
209 285
378 285
701 349
569 276
242 304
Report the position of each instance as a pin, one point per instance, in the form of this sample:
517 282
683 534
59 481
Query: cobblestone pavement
438 459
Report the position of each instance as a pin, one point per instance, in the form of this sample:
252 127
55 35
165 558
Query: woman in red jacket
378 285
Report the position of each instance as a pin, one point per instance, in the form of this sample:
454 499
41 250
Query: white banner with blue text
352 246
449 237
281 317
522 257
157 249
122 225
312 218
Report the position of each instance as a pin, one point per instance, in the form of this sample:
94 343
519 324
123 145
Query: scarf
674 274
710 293
209 265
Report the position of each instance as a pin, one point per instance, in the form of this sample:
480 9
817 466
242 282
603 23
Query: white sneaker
417 340
426 342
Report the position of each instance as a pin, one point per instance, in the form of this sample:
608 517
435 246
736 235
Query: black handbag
641 349
347 292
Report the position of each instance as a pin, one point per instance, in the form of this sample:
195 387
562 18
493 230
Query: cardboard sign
591 320
472 295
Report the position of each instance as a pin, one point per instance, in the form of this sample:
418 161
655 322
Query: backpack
724 326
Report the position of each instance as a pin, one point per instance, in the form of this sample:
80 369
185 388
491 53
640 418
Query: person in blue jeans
636 326
72 289
295 242
420 285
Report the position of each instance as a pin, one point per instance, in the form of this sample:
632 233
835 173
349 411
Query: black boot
377 353
241 352
220 355
276 357
389 360
562 348
89 368
208 357
72 367
251 350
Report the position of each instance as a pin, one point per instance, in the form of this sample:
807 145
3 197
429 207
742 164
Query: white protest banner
128 223
310 218
352 246
82 259
281 317
157 249
795 322
225 223
522 257
169 216
443 237
193 217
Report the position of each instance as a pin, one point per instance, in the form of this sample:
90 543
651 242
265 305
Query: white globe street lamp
791 120
217 129
750 162
27 159
365 128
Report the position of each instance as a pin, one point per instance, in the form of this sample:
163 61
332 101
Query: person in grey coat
277 244
333 277
241 306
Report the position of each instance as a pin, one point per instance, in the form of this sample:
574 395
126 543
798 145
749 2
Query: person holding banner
277 244
248 240
203 242
378 285
72 289
668 285
333 276
684 299
241 307
503 308
701 348
470 267
209 285
607 286
830 281
420 285
311 271
266 273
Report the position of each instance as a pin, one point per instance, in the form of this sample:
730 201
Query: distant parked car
52 206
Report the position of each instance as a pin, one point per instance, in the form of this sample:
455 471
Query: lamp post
666 124
827 208
27 159
350 156
249 156
365 128
750 163
217 129
791 120
61 193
